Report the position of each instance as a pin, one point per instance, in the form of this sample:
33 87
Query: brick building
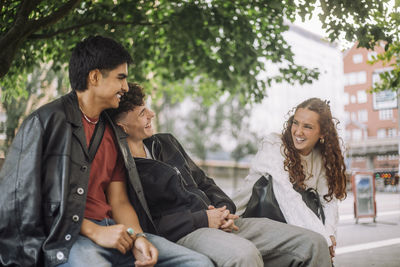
371 118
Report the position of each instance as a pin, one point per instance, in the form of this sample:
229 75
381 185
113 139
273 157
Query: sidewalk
367 243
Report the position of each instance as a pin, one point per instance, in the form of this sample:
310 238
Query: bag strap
96 138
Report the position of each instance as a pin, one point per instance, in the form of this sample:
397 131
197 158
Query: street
368 243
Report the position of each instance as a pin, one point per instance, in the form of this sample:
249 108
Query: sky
315 26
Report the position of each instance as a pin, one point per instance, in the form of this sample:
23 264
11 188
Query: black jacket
43 186
177 191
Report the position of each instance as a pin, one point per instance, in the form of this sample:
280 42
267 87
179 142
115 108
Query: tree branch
25 8
16 32
86 23
12 40
56 15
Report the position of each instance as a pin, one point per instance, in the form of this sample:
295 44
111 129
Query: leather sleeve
21 224
176 225
206 184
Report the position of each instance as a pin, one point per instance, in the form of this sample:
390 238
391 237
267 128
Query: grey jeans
260 242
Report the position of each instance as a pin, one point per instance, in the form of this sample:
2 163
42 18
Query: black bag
263 203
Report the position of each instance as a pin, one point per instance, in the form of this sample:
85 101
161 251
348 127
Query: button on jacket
43 186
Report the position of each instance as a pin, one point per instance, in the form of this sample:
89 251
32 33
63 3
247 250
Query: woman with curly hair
306 155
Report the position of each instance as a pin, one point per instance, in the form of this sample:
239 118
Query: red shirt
107 167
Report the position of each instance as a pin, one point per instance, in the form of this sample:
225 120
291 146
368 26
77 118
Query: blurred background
220 75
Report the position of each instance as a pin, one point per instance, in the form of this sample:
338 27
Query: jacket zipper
178 173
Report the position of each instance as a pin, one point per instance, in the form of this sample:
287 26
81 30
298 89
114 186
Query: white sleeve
295 211
270 160
331 208
242 196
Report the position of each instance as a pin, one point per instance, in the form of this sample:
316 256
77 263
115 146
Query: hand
333 247
228 225
216 217
145 253
114 236
227 212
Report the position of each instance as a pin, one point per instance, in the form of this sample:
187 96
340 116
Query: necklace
87 118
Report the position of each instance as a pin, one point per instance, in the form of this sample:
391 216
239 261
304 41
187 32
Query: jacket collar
153 145
72 111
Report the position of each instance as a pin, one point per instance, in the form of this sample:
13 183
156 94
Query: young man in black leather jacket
63 185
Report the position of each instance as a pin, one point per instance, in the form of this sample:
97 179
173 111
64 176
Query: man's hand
227 224
216 217
145 253
333 247
114 236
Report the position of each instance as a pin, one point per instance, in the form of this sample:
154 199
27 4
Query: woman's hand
333 247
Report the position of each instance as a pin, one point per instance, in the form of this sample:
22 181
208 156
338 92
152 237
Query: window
392 132
385 114
357 134
352 78
353 116
372 55
381 157
361 97
381 133
357 58
363 115
353 99
361 77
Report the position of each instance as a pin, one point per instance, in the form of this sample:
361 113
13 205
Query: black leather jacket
177 191
43 186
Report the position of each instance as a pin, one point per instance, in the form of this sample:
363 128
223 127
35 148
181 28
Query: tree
381 23
390 80
41 86
203 128
217 40
238 115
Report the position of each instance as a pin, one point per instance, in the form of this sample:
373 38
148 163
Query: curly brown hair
131 99
330 150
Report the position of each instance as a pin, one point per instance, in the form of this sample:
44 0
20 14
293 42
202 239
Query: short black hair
131 99
95 52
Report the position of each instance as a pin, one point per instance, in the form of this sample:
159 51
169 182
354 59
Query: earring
322 140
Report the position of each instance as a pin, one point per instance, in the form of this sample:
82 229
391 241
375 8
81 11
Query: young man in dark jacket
189 208
63 186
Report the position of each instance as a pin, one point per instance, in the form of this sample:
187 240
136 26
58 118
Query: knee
317 246
200 260
247 255
317 241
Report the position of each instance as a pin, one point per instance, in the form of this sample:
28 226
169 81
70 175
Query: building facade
371 119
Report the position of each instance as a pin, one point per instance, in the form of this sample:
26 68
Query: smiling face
305 130
137 123
111 85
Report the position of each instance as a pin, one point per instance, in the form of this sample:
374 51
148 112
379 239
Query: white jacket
269 159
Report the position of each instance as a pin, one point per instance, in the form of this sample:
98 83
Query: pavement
369 243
